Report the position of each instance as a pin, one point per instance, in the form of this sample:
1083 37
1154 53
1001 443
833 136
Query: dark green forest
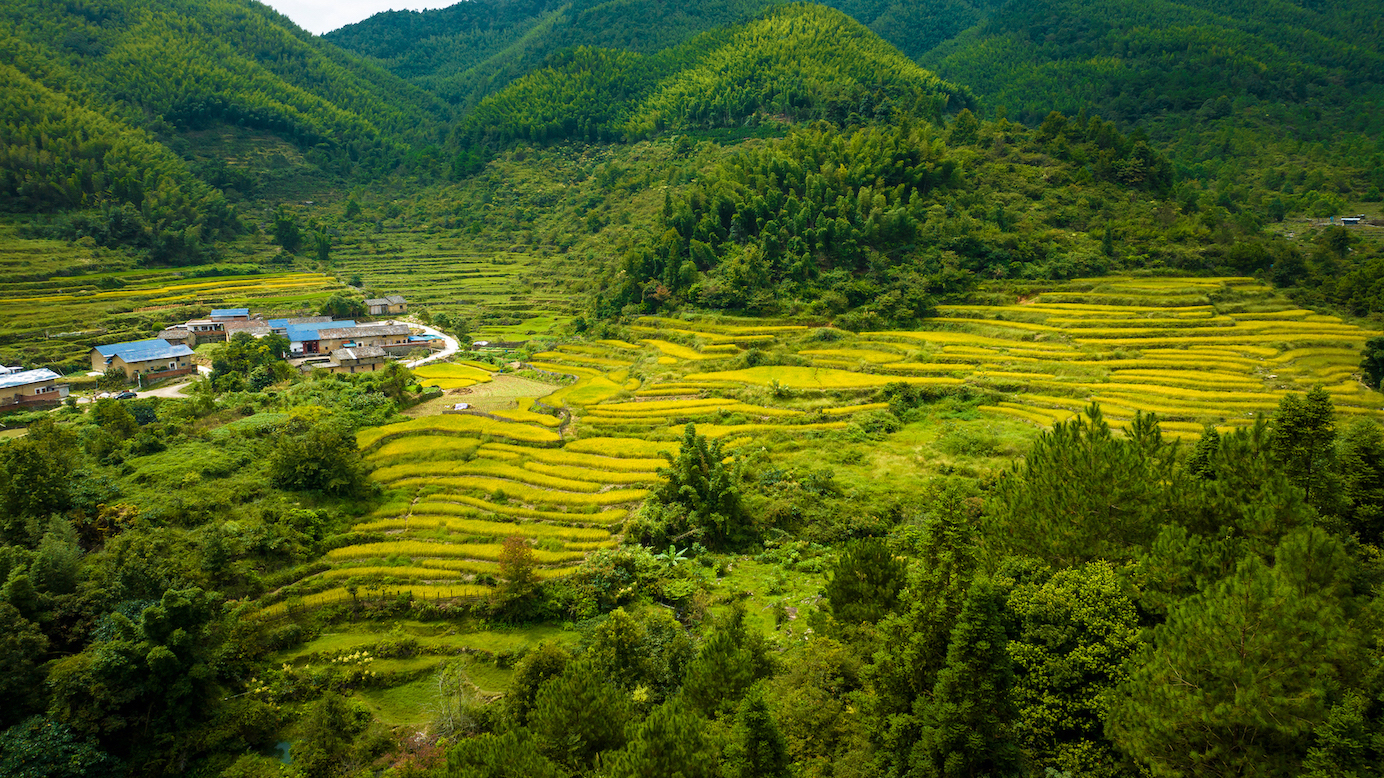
1108 602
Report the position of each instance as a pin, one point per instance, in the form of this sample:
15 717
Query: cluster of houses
315 342
30 387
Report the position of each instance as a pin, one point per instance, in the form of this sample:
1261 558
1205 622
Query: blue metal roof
144 350
227 313
301 332
278 324
27 377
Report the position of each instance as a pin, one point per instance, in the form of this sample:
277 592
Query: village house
180 336
229 314
359 359
256 327
152 359
280 326
306 338
382 335
387 305
206 330
30 387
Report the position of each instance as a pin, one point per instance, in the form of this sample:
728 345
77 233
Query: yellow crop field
657 406
849 409
526 415
595 476
412 573
815 377
583 359
590 391
416 470
988 322
1347 355
476 566
416 549
456 424
601 412
622 447
1173 341
857 354
621 344
419 591
567 456
1187 378
425 446
483 528
722 327
552 367
677 351
526 493
930 367
722 430
465 505
452 370
1019 413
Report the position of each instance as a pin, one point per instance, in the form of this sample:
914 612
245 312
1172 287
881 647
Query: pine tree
1124 488
577 715
757 748
968 723
1372 363
865 582
913 642
1236 680
670 743
730 661
1304 433
512 754
1362 480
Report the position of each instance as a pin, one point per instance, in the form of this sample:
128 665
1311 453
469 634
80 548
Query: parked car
126 396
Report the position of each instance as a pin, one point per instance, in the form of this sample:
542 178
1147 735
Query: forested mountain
99 93
803 63
471 49
1301 63
181 64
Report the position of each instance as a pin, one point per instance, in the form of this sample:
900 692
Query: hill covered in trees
801 63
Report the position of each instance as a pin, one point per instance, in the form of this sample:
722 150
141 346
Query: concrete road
452 345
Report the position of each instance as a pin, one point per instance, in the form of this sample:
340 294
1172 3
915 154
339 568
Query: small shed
30 387
154 358
359 359
229 314
387 305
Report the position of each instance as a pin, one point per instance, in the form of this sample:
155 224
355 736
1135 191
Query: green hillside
183 64
1131 60
801 63
471 49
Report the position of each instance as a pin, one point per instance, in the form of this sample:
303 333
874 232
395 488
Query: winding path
452 345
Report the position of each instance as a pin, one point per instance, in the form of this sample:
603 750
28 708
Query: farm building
207 329
305 338
256 327
154 358
368 335
29 387
360 359
229 314
180 336
389 304
280 326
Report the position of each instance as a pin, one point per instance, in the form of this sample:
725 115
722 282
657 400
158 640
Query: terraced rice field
1196 351
566 469
57 300
497 288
